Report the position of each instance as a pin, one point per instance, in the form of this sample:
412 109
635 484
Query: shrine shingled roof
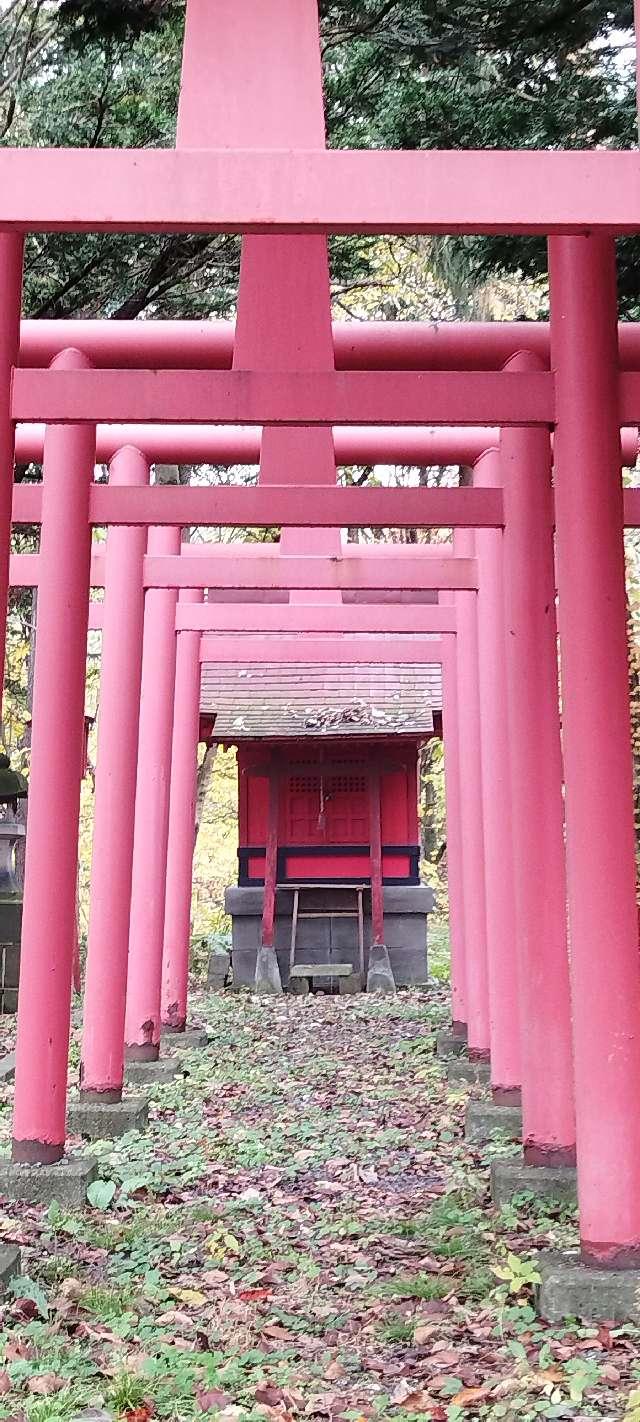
268 700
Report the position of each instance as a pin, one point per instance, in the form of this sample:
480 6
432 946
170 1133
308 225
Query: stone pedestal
450 1045
104 1120
151 1073
545 1182
67 1181
484 1120
187 1041
571 1289
319 940
462 1072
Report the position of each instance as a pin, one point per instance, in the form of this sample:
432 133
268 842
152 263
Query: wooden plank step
321 970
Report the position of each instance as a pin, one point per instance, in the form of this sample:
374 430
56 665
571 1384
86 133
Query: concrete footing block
380 974
7 1068
151 1073
449 1046
267 982
103 1121
351 986
484 1119
461 1072
67 1181
188 1041
571 1289
546 1182
299 987
9 1265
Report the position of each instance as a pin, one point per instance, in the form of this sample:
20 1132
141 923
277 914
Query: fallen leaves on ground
302 1232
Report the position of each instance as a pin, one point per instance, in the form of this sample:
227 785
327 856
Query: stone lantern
13 787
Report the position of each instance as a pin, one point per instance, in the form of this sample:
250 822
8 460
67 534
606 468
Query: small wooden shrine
328 785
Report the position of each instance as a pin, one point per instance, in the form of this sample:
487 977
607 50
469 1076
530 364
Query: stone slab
484 1120
461 1072
103 1121
7 1067
571 1289
546 1182
66 1181
321 970
10 1265
151 1073
188 1041
449 1046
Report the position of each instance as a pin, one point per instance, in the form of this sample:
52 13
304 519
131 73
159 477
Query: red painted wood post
536 789
603 915
477 982
49 914
182 825
146 933
102 1069
11 250
271 857
375 844
455 842
506 1069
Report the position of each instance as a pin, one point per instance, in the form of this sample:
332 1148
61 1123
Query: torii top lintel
290 183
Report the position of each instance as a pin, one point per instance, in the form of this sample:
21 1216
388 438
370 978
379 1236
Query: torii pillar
496 803
470 767
603 915
182 831
49 915
537 812
102 1069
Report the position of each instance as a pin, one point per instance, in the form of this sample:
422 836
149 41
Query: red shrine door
324 816
328 808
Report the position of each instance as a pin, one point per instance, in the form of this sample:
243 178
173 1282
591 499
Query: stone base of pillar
449 1045
484 1119
10 1266
151 1073
186 1041
545 1182
67 1181
267 981
461 1072
104 1120
571 1289
380 973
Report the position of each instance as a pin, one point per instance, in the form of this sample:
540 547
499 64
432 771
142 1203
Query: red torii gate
584 397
